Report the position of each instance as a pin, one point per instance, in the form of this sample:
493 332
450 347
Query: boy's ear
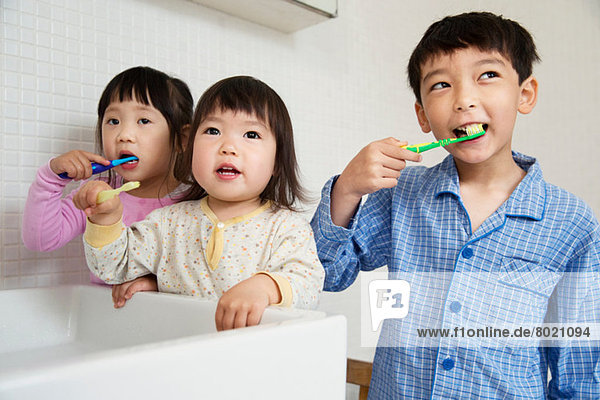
185 136
529 91
423 121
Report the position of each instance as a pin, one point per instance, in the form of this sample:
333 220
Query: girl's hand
107 213
123 292
77 164
375 167
244 304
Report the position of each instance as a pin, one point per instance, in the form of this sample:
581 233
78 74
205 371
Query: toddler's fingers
241 318
254 316
118 300
228 320
131 290
73 169
107 206
84 166
115 293
136 286
95 158
219 317
91 196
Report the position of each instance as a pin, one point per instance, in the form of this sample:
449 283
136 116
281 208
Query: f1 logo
388 298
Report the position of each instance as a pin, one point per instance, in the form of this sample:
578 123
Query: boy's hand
123 292
375 167
244 304
106 213
77 164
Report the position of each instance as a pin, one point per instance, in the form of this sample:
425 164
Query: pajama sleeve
117 254
294 264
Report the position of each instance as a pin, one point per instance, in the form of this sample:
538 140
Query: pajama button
455 306
220 225
448 364
467 252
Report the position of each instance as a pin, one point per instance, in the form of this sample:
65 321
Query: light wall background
343 80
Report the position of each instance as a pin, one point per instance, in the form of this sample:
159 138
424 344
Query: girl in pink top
142 112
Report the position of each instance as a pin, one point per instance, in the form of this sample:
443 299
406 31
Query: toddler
142 112
236 237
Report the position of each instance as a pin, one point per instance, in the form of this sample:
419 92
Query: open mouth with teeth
228 172
129 164
469 130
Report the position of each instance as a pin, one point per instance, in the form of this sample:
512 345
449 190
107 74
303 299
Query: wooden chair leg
359 373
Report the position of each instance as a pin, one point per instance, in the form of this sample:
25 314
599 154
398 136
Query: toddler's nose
126 134
228 149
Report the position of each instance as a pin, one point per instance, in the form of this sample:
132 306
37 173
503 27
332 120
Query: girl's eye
212 131
112 121
488 75
143 121
252 135
440 85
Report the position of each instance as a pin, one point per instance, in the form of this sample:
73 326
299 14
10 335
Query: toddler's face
234 157
132 128
472 86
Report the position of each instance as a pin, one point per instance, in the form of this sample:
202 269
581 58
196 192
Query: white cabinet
282 15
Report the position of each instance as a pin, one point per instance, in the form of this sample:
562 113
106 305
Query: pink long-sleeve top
50 220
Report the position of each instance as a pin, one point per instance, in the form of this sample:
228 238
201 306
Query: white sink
70 343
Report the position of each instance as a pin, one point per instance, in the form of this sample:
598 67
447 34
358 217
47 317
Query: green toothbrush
473 131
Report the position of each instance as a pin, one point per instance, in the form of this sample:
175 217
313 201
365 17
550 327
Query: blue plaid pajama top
529 245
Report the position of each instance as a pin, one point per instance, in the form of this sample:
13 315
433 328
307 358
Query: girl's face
130 128
233 158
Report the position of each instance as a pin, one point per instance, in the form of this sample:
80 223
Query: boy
532 249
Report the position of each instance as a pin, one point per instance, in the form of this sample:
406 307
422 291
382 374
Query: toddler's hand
123 292
106 213
244 304
77 164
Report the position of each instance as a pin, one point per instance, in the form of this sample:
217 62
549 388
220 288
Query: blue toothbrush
97 168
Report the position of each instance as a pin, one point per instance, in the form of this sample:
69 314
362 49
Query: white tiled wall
343 81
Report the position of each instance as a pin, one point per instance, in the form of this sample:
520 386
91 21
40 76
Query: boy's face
470 86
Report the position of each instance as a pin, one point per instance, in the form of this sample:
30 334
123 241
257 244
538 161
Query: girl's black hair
251 96
169 95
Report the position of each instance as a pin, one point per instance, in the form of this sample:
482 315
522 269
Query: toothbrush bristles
474 129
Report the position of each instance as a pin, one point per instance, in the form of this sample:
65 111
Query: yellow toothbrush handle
109 194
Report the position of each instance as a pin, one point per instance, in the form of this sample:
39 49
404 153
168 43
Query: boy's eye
440 85
252 135
112 121
143 121
212 131
488 75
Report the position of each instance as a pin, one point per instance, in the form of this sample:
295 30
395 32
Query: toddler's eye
440 85
212 131
143 121
488 75
112 121
252 135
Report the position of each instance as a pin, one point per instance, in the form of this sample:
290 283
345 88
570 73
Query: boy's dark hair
170 96
483 30
250 95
